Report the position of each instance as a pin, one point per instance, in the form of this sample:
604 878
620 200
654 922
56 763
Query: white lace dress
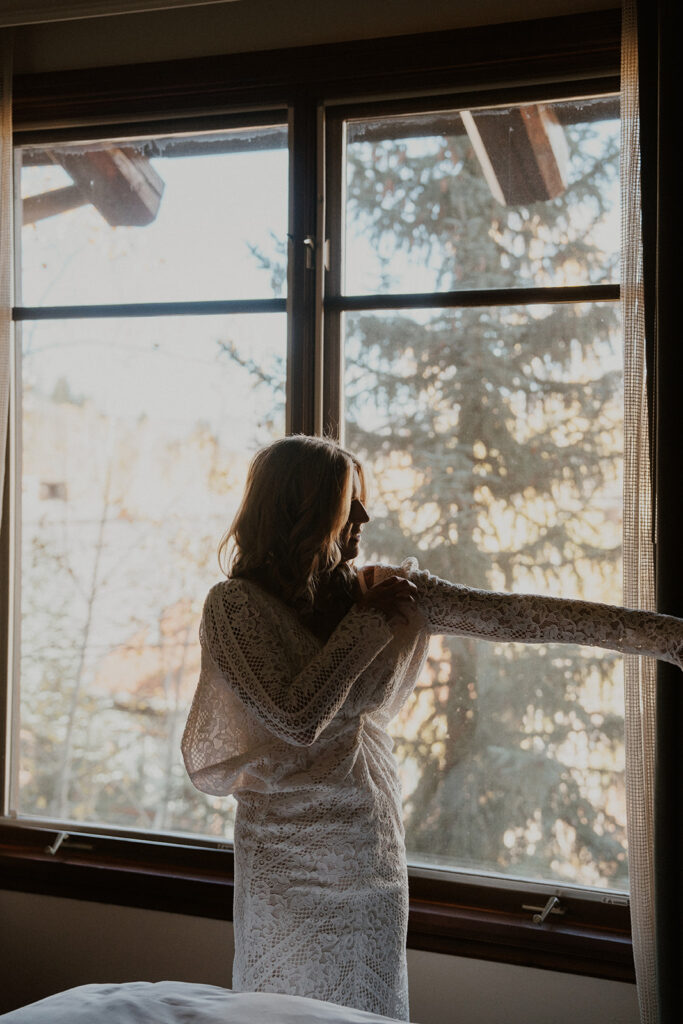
296 729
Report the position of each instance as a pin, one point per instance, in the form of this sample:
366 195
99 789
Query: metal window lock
309 243
71 844
541 913
59 839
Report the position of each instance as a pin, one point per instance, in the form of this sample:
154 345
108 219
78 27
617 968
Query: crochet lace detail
532 619
296 728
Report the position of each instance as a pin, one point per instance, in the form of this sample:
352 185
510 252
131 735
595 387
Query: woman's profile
305 661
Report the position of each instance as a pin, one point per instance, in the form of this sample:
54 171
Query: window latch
309 244
69 843
59 839
551 907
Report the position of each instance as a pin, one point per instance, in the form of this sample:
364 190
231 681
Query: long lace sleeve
529 618
243 642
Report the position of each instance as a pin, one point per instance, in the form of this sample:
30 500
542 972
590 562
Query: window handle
59 839
309 243
69 843
551 907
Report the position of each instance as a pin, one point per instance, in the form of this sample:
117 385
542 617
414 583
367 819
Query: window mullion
333 374
301 332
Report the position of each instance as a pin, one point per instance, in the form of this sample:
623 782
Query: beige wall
260 25
49 944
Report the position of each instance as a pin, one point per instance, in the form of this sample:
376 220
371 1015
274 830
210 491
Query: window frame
336 302
460 914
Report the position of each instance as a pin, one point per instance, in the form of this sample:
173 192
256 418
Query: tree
494 434
109 640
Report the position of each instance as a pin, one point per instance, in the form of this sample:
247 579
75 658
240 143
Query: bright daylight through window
495 438
491 427
136 433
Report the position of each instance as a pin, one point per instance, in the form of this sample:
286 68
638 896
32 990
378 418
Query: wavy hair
285 535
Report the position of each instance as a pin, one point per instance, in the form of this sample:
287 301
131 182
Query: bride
305 661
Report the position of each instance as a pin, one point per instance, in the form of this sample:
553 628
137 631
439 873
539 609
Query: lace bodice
246 640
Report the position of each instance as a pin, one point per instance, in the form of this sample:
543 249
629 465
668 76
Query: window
181 300
483 386
148 423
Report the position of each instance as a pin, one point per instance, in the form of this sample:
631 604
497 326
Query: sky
196 249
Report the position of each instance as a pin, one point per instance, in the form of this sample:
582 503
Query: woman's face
349 540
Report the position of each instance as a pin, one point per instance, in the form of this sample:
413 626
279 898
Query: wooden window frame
457 914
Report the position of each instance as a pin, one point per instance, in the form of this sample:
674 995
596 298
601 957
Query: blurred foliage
494 435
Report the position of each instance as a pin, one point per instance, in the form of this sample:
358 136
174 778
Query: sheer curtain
639 589
5 239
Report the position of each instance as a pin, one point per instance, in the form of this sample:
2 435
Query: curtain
21 12
659 61
638 549
5 240
657 74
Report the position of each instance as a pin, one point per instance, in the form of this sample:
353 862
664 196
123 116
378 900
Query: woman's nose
358 512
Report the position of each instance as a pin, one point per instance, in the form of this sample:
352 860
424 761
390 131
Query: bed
178 1002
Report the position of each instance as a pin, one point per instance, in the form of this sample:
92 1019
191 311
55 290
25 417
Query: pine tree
494 435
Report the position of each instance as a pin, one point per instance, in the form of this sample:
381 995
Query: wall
260 25
49 944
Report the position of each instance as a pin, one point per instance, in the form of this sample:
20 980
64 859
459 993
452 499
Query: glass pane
494 441
196 217
514 197
136 439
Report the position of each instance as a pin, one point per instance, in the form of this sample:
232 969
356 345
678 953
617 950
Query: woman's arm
242 642
529 618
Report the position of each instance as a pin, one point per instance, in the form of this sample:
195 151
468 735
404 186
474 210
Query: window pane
494 440
513 197
136 439
158 219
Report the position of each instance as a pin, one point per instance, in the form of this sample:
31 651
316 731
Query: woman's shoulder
235 590
241 607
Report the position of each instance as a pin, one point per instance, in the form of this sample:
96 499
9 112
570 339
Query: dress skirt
321 896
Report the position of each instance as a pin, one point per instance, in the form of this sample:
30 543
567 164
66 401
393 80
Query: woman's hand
394 597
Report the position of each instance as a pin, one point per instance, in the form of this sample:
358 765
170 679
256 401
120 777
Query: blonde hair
296 502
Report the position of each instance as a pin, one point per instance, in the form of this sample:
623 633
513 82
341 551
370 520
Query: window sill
446 916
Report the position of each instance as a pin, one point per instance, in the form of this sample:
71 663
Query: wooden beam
49 204
523 152
120 183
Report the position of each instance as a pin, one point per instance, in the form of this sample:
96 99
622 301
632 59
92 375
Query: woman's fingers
399 588
393 582
392 597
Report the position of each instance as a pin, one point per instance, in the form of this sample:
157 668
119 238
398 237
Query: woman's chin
350 551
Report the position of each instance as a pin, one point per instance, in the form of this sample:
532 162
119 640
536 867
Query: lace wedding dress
296 729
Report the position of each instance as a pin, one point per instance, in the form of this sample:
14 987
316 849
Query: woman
304 664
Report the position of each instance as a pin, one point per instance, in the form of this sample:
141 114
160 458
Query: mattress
178 1002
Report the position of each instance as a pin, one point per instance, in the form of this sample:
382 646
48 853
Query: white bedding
178 1002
